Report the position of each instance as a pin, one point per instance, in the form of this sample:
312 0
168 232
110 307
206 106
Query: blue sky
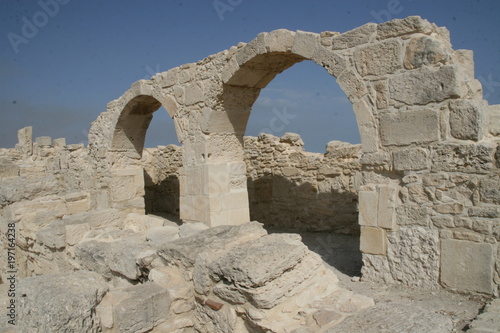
61 61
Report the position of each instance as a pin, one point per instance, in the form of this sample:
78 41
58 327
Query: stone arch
118 135
256 64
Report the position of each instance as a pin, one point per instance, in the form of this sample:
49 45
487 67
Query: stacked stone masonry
422 189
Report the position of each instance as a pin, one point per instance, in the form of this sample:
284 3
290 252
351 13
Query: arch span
422 123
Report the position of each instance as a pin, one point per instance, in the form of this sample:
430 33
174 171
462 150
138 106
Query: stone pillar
25 140
215 194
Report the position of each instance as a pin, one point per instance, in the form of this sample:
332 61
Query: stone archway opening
291 189
162 159
143 178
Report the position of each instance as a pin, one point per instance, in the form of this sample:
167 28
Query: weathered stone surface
42 141
379 59
422 246
494 116
410 159
426 85
184 251
404 128
8 169
467 265
115 257
412 215
140 223
354 37
399 27
424 50
476 158
352 85
60 303
489 190
53 237
466 119
25 140
373 241
139 308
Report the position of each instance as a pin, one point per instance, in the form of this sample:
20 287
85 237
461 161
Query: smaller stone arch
116 143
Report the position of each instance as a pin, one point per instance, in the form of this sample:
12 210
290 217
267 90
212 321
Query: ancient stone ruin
421 191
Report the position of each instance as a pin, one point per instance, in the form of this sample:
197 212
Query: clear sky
62 61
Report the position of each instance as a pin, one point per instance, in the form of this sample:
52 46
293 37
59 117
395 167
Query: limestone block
279 254
169 103
407 127
332 62
413 215
76 232
467 265
423 50
126 184
43 141
413 252
367 127
77 202
368 208
156 236
387 202
489 190
280 40
186 73
194 93
305 43
352 85
373 241
8 169
449 208
96 218
60 143
466 119
140 223
187 229
53 237
234 200
251 49
60 303
169 78
185 250
139 308
382 94
25 140
400 27
179 94
379 58
413 159
215 178
238 216
426 85
290 172
112 257
477 158
494 117
354 37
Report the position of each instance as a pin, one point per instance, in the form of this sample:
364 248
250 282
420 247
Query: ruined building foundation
422 190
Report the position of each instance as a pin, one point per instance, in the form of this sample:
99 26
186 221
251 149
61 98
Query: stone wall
292 189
